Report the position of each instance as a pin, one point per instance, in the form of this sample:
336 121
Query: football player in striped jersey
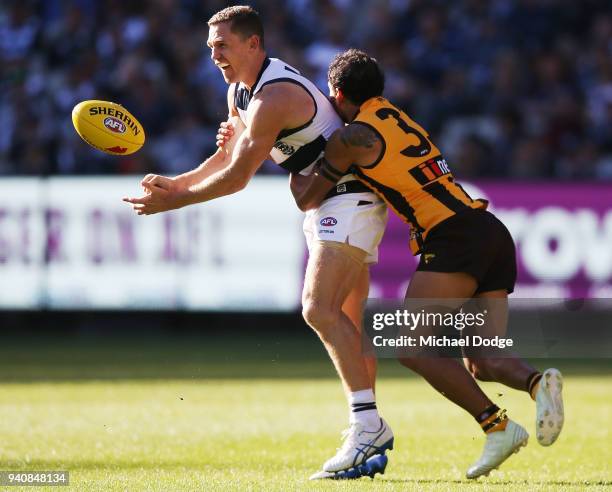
466 252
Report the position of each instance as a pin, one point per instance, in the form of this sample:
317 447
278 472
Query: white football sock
362 408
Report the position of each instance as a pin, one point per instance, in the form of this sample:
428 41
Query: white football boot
549 407
499 447
359 444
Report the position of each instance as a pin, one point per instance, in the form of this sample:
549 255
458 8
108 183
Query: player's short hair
244 21
357 75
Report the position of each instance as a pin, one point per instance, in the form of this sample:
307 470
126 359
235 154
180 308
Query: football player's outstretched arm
354 144
220 159
266 120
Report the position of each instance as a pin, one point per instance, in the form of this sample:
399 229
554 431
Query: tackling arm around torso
354 144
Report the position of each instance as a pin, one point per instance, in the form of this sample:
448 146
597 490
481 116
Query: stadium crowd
507 88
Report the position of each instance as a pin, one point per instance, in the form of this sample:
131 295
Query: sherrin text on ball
108 127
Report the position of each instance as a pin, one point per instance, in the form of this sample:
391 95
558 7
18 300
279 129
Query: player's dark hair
244 21
357 75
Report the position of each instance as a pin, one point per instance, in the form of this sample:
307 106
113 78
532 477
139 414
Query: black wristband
326 175
326 166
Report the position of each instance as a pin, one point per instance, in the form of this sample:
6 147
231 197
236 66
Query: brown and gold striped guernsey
410 175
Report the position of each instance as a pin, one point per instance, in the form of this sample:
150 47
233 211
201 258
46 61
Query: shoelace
350 435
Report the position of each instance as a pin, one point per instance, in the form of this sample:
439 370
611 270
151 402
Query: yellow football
108 127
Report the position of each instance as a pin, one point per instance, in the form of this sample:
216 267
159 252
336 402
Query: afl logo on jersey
114 125
328 222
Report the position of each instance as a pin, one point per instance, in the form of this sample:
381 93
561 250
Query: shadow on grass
222 356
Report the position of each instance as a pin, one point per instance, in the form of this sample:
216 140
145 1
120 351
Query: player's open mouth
223 66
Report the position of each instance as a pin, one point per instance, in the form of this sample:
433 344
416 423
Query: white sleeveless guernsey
296 149
351 213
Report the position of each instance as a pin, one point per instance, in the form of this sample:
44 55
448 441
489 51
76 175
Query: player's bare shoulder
362 142
294 103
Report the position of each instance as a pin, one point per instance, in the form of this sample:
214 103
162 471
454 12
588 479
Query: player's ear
339 95
254 42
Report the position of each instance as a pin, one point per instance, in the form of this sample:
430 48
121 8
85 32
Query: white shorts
358 219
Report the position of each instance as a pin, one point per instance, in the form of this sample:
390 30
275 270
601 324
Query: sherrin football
108 127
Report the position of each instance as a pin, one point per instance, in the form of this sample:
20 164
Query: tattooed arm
355 144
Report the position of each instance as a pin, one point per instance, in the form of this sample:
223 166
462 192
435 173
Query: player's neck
255 70
351 112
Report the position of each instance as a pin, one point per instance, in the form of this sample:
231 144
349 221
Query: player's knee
319 317
481 369
477 372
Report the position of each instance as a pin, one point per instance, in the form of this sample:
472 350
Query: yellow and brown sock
533 383
492 419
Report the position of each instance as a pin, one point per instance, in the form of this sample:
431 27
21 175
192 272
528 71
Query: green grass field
188 415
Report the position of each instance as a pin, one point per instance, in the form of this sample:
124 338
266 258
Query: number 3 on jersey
422 148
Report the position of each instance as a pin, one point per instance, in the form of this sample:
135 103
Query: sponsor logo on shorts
328 222
427 257
114 125
326 231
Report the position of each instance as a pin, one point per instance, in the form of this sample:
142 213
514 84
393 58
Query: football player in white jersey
287 118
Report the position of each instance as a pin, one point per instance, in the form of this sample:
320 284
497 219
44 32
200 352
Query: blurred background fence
71 243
